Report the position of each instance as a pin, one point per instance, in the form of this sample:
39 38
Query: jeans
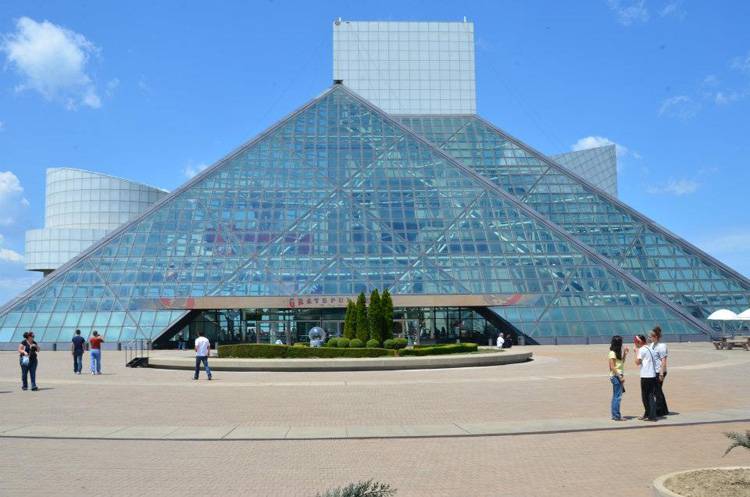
77 361
648 396
198 360
181 345
616 397
662 409
96 361
29 369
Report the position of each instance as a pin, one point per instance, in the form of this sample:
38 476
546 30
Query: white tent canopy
744 315
724 315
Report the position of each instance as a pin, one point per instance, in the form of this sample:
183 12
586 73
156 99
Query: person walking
96 342
645 359
659 349
616 358
202 350
29 351
181 342
501 341
76 348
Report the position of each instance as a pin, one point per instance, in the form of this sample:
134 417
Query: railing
137 351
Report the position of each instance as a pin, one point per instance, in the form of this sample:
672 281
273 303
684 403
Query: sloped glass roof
668 264
336 199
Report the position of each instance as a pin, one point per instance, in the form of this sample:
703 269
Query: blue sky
155 91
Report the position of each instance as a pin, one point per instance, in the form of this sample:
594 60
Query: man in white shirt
202 350
500 341
645 359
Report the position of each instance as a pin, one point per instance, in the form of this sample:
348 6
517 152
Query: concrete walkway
498 428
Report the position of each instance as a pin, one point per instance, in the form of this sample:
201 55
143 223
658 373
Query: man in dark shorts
76 347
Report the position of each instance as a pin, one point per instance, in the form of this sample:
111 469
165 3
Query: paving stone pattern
567 384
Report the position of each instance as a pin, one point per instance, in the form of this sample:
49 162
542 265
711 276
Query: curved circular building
80 208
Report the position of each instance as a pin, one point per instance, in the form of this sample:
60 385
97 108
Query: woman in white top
660 356
645 359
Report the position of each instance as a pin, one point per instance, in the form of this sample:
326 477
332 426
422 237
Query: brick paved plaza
156 432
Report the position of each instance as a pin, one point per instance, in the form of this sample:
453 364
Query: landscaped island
302 351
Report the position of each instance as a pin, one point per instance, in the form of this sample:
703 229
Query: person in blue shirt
76 347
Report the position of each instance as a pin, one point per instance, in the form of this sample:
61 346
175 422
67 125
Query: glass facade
596 165
336 199
669 265
423 325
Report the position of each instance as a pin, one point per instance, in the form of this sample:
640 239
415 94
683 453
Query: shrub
457 348
264 351
738 440
390 344
367 488
332 342
256 350
375 316
329 353
301 344
401 343
356 344
343 343
386 304
363 326
350 320
373 344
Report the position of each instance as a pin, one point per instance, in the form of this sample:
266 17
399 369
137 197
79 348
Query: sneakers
24 388
209 378
93 372
195 377
98 373
34 389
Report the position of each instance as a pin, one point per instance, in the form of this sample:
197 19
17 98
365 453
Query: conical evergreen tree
375 315
363 328
350 320
386 303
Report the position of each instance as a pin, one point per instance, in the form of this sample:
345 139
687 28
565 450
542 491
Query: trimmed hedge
332 342
343 343
457 348
265 351
373 344
356 344
301 344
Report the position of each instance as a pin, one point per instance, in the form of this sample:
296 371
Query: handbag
24 360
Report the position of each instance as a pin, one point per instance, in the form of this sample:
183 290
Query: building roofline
51 169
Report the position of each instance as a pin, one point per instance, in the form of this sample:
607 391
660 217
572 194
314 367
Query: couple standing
78 345
652 360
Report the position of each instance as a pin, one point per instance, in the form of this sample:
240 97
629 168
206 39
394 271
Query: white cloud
112 85
674 187
680 106
12 201
10 255
674 9
724 98
742 63
2 126
711 80
629 12
51 60
599 141
192 169
637 156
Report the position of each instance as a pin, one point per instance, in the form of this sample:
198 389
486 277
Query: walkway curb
346 364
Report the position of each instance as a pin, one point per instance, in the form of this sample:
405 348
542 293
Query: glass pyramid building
450 214
668 264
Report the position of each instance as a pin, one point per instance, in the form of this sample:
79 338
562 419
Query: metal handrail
137 348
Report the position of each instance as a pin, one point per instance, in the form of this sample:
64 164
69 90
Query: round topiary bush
390 344
356 344
343 343
373 344
401 343
333 342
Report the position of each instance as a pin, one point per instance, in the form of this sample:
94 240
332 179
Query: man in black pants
645 359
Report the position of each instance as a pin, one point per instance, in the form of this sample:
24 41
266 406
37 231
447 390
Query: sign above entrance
318 301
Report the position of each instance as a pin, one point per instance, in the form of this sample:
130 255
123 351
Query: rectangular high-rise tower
408 67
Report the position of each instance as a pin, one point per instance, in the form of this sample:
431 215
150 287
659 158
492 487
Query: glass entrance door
273 332
334 328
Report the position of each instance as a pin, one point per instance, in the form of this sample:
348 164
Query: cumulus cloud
192 168
599 141
12 202
674 187
674 9
742 63
52 60
681 107
629 12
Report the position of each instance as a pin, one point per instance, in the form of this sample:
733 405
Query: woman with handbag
660 357
28 350
616 359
